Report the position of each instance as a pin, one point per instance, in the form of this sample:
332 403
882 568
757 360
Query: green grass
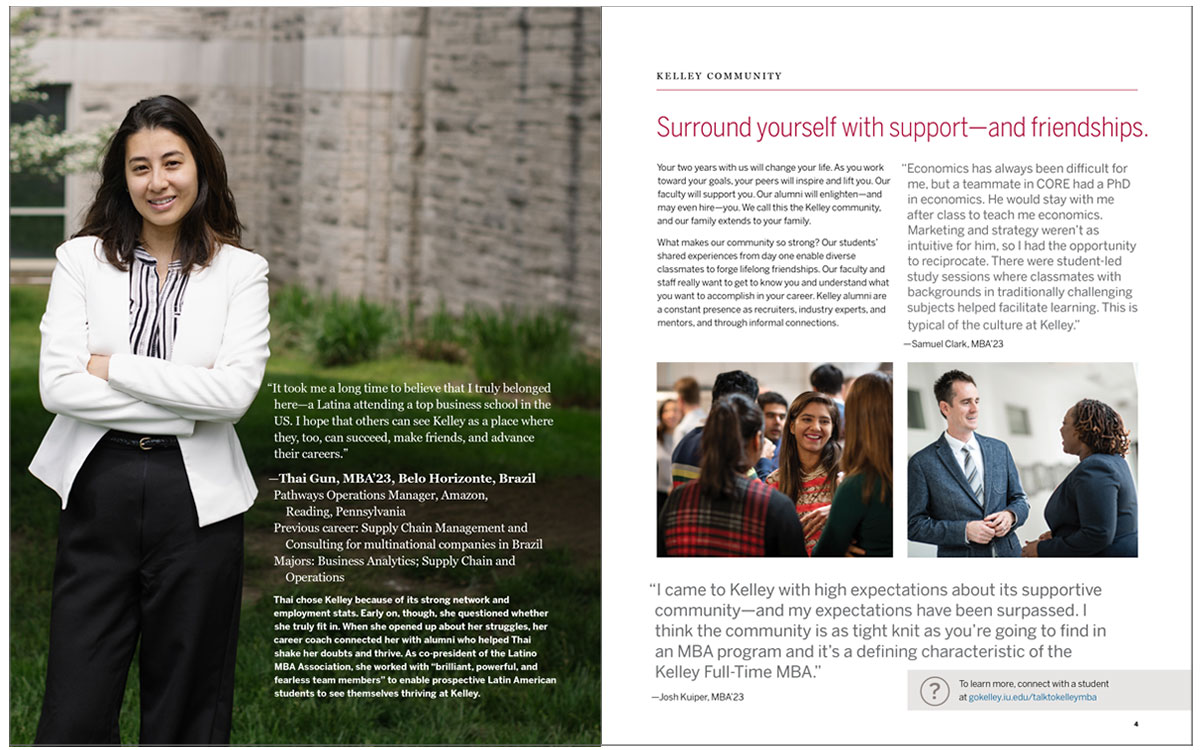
350 332
439 336
506 346
566 713
556 453
555 580
332 331
533 347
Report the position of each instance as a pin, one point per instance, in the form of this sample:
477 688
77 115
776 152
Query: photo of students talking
727 495
1036 484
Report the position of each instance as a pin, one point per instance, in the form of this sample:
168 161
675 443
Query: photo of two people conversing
971 495
760 473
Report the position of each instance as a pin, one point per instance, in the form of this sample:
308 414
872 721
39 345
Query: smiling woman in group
809 458
154 343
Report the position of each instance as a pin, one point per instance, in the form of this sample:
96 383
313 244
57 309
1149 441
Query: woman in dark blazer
1093 513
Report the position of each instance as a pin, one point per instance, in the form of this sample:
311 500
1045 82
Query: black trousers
133 562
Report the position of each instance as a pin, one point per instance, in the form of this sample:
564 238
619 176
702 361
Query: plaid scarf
729 527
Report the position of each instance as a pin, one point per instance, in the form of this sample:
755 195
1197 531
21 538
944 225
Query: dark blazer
940 502
1093 512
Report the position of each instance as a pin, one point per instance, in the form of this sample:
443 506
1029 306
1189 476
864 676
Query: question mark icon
935 691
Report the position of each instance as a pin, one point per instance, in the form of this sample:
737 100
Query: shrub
439 338
293 317
533 348
575 378
527 347
349 332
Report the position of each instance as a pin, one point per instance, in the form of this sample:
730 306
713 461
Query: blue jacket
1093 511
685 460
940 503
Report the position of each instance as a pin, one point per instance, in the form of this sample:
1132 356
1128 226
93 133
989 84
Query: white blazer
215 370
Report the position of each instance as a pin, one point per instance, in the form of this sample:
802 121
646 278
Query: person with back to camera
154 343
668 417
687 404
809 460
724 513
685 459
829 380
1093 512
862 507
964 494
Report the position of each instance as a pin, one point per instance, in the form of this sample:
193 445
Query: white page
902 65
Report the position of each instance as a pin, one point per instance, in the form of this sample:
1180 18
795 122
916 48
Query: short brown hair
688 390
943 389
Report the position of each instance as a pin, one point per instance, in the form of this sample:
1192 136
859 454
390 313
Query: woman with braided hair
1094 511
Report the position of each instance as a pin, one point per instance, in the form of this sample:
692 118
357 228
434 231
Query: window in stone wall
1018 420
38 204
916 417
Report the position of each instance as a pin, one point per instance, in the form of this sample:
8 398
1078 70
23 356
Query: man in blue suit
964 494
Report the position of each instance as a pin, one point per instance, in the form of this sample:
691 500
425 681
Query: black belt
144 442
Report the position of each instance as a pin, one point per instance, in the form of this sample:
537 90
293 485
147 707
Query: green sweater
868 524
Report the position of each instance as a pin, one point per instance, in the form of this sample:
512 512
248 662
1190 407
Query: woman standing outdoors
154 343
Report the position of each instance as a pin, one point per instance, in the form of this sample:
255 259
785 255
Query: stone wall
406 154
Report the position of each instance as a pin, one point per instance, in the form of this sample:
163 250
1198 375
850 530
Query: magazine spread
312 442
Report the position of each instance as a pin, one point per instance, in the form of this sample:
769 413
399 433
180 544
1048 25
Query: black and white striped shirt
154 312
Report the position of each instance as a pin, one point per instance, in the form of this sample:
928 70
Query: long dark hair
791 473
869 432
212 220
662 427
731 424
